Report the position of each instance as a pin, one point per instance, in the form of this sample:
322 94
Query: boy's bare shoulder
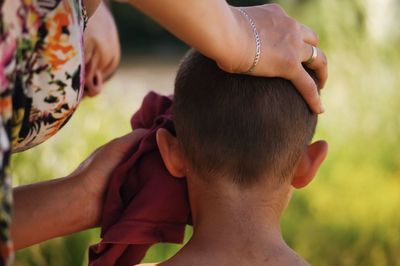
282 261
289 257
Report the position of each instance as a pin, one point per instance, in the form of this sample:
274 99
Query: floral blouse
41 75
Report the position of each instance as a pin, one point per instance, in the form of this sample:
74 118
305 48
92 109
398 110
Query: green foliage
349 215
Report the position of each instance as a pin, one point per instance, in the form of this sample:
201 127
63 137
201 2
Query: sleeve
6 250
41 54
8 50
5 185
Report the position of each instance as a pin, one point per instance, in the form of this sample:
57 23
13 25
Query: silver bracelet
257 39
85 17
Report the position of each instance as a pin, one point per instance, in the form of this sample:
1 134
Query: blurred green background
350 214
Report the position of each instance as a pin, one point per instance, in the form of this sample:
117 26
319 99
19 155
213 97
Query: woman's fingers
94 84
285 47
319 64
124 143
309 36
307 87
102 51
90 77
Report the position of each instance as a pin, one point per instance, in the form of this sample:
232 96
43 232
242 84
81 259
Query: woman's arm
49 209
224 34
66 205
210 26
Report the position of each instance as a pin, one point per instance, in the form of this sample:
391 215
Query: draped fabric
144 204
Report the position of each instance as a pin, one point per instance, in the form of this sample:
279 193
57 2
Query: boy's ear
309 164
171 153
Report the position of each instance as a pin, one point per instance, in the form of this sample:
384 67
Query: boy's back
242 143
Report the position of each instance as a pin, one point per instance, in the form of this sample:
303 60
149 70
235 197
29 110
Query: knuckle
292 25
316 37
276 7
297 41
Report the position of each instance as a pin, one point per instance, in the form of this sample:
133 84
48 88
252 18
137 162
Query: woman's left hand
70 204
94 173
285 48
228 36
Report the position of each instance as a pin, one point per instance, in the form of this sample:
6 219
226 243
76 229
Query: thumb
108 156
119 147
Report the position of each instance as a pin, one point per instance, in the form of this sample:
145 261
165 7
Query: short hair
240 126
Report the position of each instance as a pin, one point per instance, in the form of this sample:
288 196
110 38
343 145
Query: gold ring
313 55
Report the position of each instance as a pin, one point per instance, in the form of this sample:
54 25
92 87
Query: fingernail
321 110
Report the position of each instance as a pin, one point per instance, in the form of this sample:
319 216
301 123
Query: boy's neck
234 226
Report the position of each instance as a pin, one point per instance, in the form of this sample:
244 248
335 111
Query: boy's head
238 127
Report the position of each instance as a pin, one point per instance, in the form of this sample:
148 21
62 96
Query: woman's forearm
49 209
70 204
228 36
210 26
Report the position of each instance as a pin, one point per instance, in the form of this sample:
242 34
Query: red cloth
144 203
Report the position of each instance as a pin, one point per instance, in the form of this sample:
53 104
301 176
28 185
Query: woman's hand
93 174
285 45
223 33
67 205
102 50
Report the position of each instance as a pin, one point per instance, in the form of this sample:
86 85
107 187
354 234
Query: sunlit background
350 214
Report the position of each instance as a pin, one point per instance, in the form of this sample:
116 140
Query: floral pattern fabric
41 75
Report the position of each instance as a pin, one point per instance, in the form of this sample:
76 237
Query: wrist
240 57
257 40
89 198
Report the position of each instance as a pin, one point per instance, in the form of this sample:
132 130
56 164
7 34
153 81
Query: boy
243 143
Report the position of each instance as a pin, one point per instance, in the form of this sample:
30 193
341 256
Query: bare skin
70 204
101 60
224 36
232 230
76 200
239 228
227 37
234 225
